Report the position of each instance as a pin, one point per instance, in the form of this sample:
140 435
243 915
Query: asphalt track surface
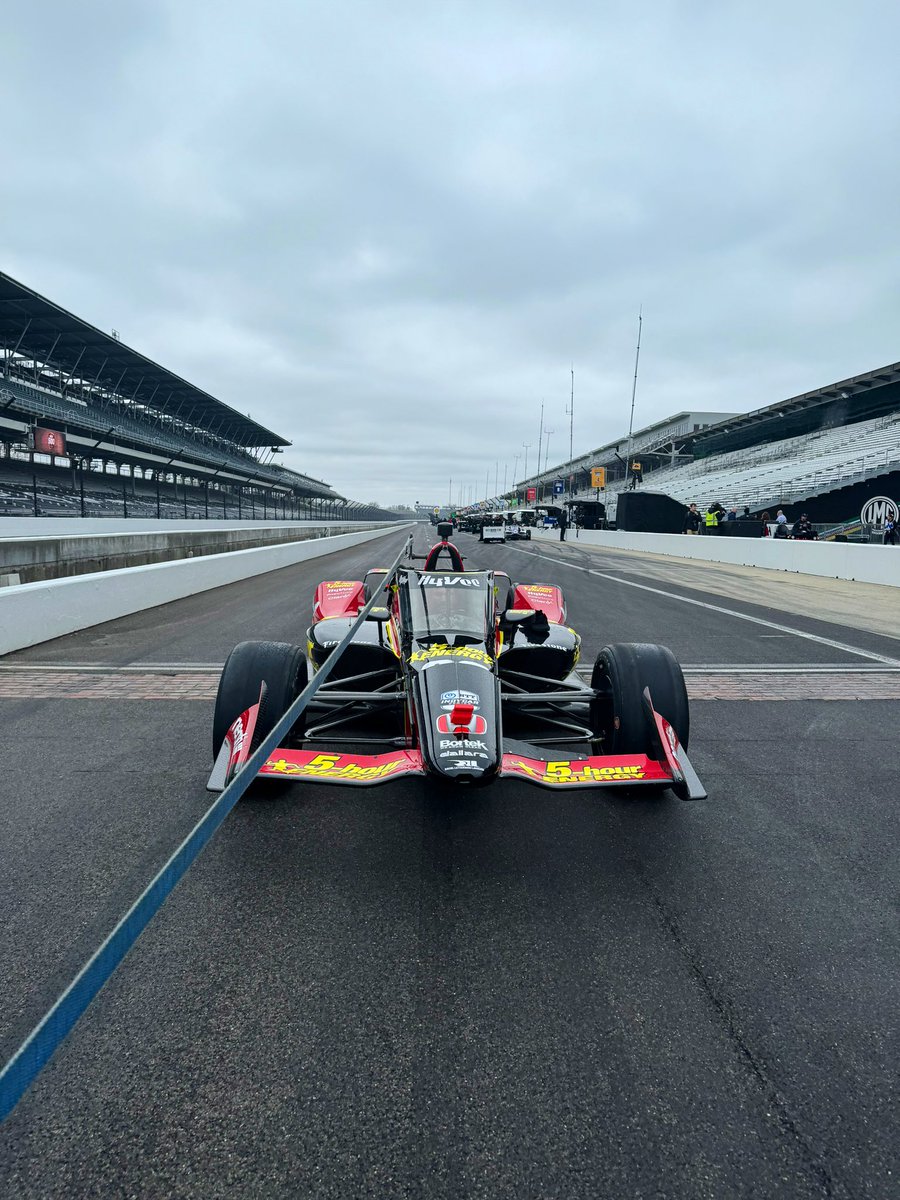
508 992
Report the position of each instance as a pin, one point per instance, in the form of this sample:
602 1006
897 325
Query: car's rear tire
283 668
620 674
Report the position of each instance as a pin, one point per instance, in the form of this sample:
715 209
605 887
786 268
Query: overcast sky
387 230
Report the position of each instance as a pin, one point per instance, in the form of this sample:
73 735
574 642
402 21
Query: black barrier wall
653 512
844 504
649 512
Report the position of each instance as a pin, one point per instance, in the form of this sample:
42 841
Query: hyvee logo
878 510
448 581
477 726
448 699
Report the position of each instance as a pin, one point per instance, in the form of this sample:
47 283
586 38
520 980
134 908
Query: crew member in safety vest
711 519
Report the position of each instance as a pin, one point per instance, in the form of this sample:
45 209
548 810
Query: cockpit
446 605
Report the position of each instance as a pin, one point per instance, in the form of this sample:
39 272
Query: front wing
671 768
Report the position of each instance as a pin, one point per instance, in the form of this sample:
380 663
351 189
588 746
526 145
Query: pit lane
506 992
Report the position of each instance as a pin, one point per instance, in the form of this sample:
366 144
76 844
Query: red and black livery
459 676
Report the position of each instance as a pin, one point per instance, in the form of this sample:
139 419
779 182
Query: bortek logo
464 744
448 581
878 510
478 725
448 699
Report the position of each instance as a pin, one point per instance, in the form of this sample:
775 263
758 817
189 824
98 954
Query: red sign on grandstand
48 441
531 494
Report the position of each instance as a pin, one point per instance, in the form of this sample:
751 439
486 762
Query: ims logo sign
878 510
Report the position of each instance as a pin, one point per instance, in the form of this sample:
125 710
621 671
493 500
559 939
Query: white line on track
728 612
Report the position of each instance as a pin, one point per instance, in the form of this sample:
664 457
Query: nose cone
458 715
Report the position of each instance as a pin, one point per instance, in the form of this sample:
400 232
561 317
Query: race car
516 531
458 676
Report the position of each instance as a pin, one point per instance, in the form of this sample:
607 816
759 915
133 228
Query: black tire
620 674
281 666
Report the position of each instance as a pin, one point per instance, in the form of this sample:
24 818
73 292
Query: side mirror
379 614
533 619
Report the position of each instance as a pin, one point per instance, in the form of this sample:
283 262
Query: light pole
637 359
571 413
547 448
526 446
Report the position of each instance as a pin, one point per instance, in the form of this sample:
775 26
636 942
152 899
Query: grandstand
137 439
825 450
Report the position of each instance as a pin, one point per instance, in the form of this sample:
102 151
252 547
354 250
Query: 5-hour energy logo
326 766
562 772
472 653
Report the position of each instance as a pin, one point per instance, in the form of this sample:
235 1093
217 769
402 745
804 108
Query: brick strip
24 683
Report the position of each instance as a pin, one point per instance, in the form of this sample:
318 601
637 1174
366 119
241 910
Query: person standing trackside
563 522
691 520
711 520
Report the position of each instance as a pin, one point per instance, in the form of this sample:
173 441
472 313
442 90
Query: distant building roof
36 328
855 399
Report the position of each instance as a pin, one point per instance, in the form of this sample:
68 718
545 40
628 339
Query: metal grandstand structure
118 408
801 449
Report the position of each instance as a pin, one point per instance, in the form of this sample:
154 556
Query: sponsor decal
331 766
562 772
448 699
477 725
878 510
463 744
341 584
442 650
450 581
464 765
235 736
536 587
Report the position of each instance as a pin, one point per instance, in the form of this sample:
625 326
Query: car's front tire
620 674
283 668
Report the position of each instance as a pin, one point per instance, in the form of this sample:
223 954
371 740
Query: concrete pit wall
38 612
30 559
832 560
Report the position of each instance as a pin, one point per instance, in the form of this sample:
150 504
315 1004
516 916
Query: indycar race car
460 676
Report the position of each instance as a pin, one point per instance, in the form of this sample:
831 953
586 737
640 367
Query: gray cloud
386 231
